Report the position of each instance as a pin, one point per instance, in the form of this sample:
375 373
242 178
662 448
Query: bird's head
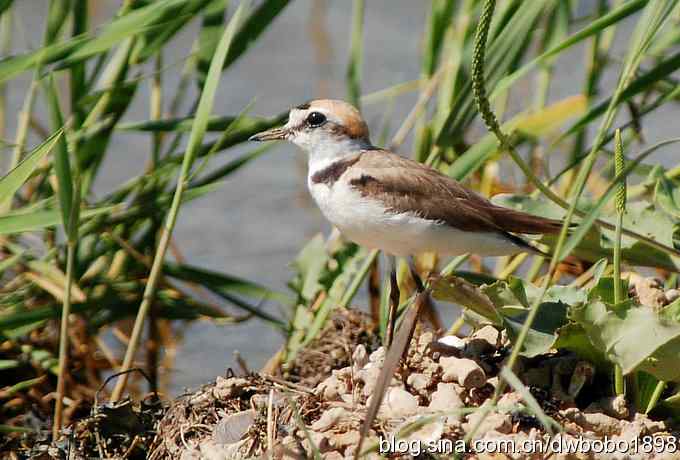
324 128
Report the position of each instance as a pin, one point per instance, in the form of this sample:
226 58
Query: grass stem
197 132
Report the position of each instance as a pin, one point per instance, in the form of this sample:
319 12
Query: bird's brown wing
404 185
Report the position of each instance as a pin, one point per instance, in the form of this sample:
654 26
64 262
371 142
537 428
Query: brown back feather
404 185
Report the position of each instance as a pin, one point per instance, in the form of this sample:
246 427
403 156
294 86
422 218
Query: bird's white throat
324 150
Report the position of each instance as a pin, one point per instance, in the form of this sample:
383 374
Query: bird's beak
270 135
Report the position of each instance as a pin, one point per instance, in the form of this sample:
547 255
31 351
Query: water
256 223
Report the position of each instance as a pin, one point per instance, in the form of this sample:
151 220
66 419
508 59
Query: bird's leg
394 302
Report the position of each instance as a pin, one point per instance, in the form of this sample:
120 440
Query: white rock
377 356
398 403
462 370
329 419
419 381
359 358
452 341
493 421
447 399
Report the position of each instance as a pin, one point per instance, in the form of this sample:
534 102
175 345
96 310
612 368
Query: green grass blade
589 219
56 16
4 5
209 37
11 182
139 21
504 52
21 221
195 138
356 53
62 165
613 17
256 23
661 70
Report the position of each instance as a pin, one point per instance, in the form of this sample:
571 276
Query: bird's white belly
366 222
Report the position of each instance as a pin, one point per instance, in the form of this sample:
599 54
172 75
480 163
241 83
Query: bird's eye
316 119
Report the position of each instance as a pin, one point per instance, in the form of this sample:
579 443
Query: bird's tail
514 221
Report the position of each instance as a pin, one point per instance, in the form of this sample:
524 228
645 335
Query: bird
381 200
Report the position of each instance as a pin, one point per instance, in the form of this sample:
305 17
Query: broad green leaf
573 337
456 290
635 337
667 196
11 182
598 243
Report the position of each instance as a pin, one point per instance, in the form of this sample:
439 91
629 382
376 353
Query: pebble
229 388
597 422
378 356
398 403
452 341
329 419
359 358
494 421
331 389
462 370
446 398
419 381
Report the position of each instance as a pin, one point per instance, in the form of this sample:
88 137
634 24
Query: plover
381 200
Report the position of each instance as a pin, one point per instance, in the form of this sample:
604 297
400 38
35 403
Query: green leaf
209 37
506 48
11 182
456 290
253 27
310 265
356 53
573 337
230 288
9 364
62 164
597 243
531 124
667 196
635 337
138 21
595 27
641 84
21 221
4 5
